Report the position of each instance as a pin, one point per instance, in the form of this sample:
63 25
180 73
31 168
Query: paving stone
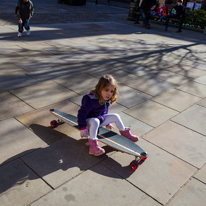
186 71
97 183
61 161
194 88
43 94
193 118
135 69
153 181
201 80
129 97
16 140
11 106
180 142
170 77
149 85
34 65
192 194
81 84
119 75
15 81
200 175
202 102
58 72
151 113
7 69
176 99
19 185
39 121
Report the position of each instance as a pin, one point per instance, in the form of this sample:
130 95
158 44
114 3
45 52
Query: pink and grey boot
94 148
126 133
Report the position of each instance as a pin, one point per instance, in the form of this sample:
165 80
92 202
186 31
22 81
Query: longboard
105 136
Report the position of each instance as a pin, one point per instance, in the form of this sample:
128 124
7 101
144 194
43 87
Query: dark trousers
25 24
167 18
145 16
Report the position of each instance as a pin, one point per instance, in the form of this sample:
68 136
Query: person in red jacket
161 10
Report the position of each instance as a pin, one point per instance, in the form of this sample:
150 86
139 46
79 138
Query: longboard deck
105 136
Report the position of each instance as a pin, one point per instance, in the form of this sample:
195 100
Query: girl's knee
94 122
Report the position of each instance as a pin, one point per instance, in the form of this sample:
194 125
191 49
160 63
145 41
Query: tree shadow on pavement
57 163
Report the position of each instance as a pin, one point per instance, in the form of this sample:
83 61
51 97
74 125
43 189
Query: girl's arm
83 111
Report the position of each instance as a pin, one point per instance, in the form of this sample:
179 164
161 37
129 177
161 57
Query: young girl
94 114
161 10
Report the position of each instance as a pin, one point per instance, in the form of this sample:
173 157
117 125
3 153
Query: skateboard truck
135 163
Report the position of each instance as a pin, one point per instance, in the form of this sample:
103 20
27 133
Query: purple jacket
91 108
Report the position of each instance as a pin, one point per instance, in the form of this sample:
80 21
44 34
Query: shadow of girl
56 164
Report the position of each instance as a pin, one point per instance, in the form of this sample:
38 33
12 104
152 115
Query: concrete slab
34 65
11 106
180 142
194 89
7 69
176 99
202 102
43 94
153 181
129 97
39 121
150 85
99 183
193 193
135 69
200 175
170 77
58 72
80 84
186 71
201 80
16 81
19 185
119 75
61 161
16 140
151 113
193 118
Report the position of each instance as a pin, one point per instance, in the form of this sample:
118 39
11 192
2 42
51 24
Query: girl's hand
20 21
84 133
110 126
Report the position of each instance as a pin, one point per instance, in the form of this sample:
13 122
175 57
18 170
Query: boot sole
95 154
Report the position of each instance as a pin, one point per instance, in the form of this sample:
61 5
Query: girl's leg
113 118
93 126
94 148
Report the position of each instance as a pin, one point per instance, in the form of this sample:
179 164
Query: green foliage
196 18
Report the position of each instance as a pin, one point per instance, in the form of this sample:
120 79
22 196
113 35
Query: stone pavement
162 85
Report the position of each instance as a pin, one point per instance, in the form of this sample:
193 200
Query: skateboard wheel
53 123
133 165
145 155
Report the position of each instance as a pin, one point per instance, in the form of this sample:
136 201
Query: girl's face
107 92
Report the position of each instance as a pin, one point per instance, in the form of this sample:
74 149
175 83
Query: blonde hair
104 81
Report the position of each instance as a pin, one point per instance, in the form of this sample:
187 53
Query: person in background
176 12
145 8
24 11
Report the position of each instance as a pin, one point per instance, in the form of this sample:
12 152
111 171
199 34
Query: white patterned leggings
93 124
